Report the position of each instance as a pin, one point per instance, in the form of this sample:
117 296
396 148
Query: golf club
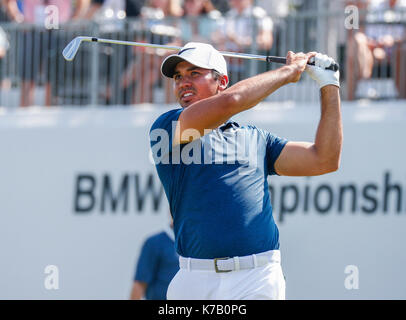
72 48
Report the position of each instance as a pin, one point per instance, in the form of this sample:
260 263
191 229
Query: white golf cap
202 55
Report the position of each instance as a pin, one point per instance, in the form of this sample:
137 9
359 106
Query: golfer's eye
177 77
195 73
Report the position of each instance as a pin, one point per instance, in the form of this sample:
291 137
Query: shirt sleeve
274 146
147 263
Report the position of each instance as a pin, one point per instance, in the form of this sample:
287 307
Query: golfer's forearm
249 92
329 136
212 112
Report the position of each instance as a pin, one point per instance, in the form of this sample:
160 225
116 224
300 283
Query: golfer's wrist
290 73
328 82
329 89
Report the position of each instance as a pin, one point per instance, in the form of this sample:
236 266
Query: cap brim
170 63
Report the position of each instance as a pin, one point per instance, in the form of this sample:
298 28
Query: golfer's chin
186 102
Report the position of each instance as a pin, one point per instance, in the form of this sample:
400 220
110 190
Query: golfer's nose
185 82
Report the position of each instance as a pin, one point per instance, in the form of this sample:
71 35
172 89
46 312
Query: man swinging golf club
225 233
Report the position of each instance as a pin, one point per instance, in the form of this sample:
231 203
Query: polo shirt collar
229 124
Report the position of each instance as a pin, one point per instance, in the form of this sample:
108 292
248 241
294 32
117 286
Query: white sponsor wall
78 196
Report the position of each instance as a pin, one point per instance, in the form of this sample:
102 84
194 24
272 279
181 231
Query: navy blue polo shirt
217 188
157 265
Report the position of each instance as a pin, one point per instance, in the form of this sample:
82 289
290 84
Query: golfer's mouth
187 95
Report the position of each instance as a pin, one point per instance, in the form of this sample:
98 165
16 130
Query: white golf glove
322 76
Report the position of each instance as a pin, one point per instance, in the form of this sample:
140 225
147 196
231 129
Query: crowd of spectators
234 25
162 21
378 47
34 12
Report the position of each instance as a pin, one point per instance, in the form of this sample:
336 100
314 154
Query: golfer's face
193 83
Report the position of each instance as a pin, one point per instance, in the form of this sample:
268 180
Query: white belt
231 264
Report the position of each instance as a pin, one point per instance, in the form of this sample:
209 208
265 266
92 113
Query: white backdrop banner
79 195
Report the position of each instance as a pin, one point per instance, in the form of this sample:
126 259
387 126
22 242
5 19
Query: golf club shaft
268 59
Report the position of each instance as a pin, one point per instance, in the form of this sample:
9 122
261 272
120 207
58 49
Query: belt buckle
216 267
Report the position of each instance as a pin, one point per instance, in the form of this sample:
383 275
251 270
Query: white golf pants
254 277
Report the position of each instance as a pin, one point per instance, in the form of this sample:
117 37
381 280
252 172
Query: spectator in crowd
200 21
143 72
239 31
115 18
379 45
4 17
159 9
137 66
5 82
34 16
157 265
131 8
239 28
221 5
278 8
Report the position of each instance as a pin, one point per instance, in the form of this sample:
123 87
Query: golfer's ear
223 82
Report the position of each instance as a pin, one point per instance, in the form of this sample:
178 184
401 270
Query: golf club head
72 48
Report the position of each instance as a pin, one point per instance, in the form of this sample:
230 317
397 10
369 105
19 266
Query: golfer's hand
319 73
297 62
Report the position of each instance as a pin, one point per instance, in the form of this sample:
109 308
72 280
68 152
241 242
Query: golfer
214 171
